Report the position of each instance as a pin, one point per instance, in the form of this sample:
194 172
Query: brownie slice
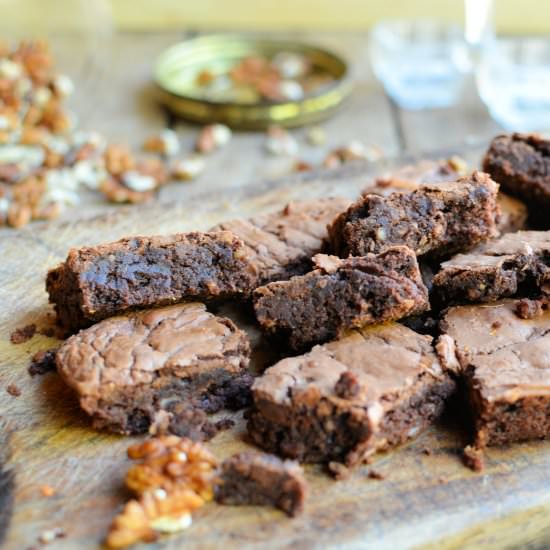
262 479
97 282
281 244
168 364
438 219
345 400
521 164
513 212
516 264
341 294
504 360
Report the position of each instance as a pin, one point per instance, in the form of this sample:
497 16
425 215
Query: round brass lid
179 69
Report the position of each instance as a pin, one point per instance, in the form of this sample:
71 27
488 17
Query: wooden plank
421 500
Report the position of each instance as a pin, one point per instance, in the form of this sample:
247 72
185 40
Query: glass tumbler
513 80
421 63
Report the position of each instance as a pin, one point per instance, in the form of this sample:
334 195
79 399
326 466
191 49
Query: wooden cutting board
427 497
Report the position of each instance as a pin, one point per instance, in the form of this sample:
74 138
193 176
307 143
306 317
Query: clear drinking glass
513 79
421 63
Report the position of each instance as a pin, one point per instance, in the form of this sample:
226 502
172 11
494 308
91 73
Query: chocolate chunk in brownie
436 219
504 360
513 212
108 279
262 479
127 370
342 294
516 264
301 411
521 164
282 244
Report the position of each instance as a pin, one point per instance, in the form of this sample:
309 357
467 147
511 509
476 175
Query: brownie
504 361
436 219
513 212
262 479
134 370
341 294
343 401
281 244
516 264
98 282
521 164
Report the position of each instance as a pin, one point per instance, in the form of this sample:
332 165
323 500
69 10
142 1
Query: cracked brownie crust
108 279
342 294
505 362
345 400
438 219
516 264
262 479
164 364
281 244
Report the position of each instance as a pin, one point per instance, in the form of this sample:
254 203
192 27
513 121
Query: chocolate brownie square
436 219
108 279
281 244
516 264
345 400
165 365
262 479
513 212
341 294
521 164
504 360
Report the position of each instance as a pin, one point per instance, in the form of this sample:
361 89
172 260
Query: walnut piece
175 477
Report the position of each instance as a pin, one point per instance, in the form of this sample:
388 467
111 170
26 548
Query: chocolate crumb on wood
13 390
23 334
473 458
262 479
42 362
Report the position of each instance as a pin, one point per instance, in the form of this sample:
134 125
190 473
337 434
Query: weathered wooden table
425 500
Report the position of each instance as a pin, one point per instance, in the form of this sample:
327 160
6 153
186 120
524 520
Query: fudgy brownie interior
342 294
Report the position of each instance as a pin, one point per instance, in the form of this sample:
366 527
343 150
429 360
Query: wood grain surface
424 499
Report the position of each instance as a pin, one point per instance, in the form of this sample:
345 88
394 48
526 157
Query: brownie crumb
224 424
262 479
427 451
473 458
496 325
12 389
338 470
375 474
347 386
529 309
42 362
23 334
47 491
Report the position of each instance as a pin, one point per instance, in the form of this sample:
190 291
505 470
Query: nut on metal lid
205 80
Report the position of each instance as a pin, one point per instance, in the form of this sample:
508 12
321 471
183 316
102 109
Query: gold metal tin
177 67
